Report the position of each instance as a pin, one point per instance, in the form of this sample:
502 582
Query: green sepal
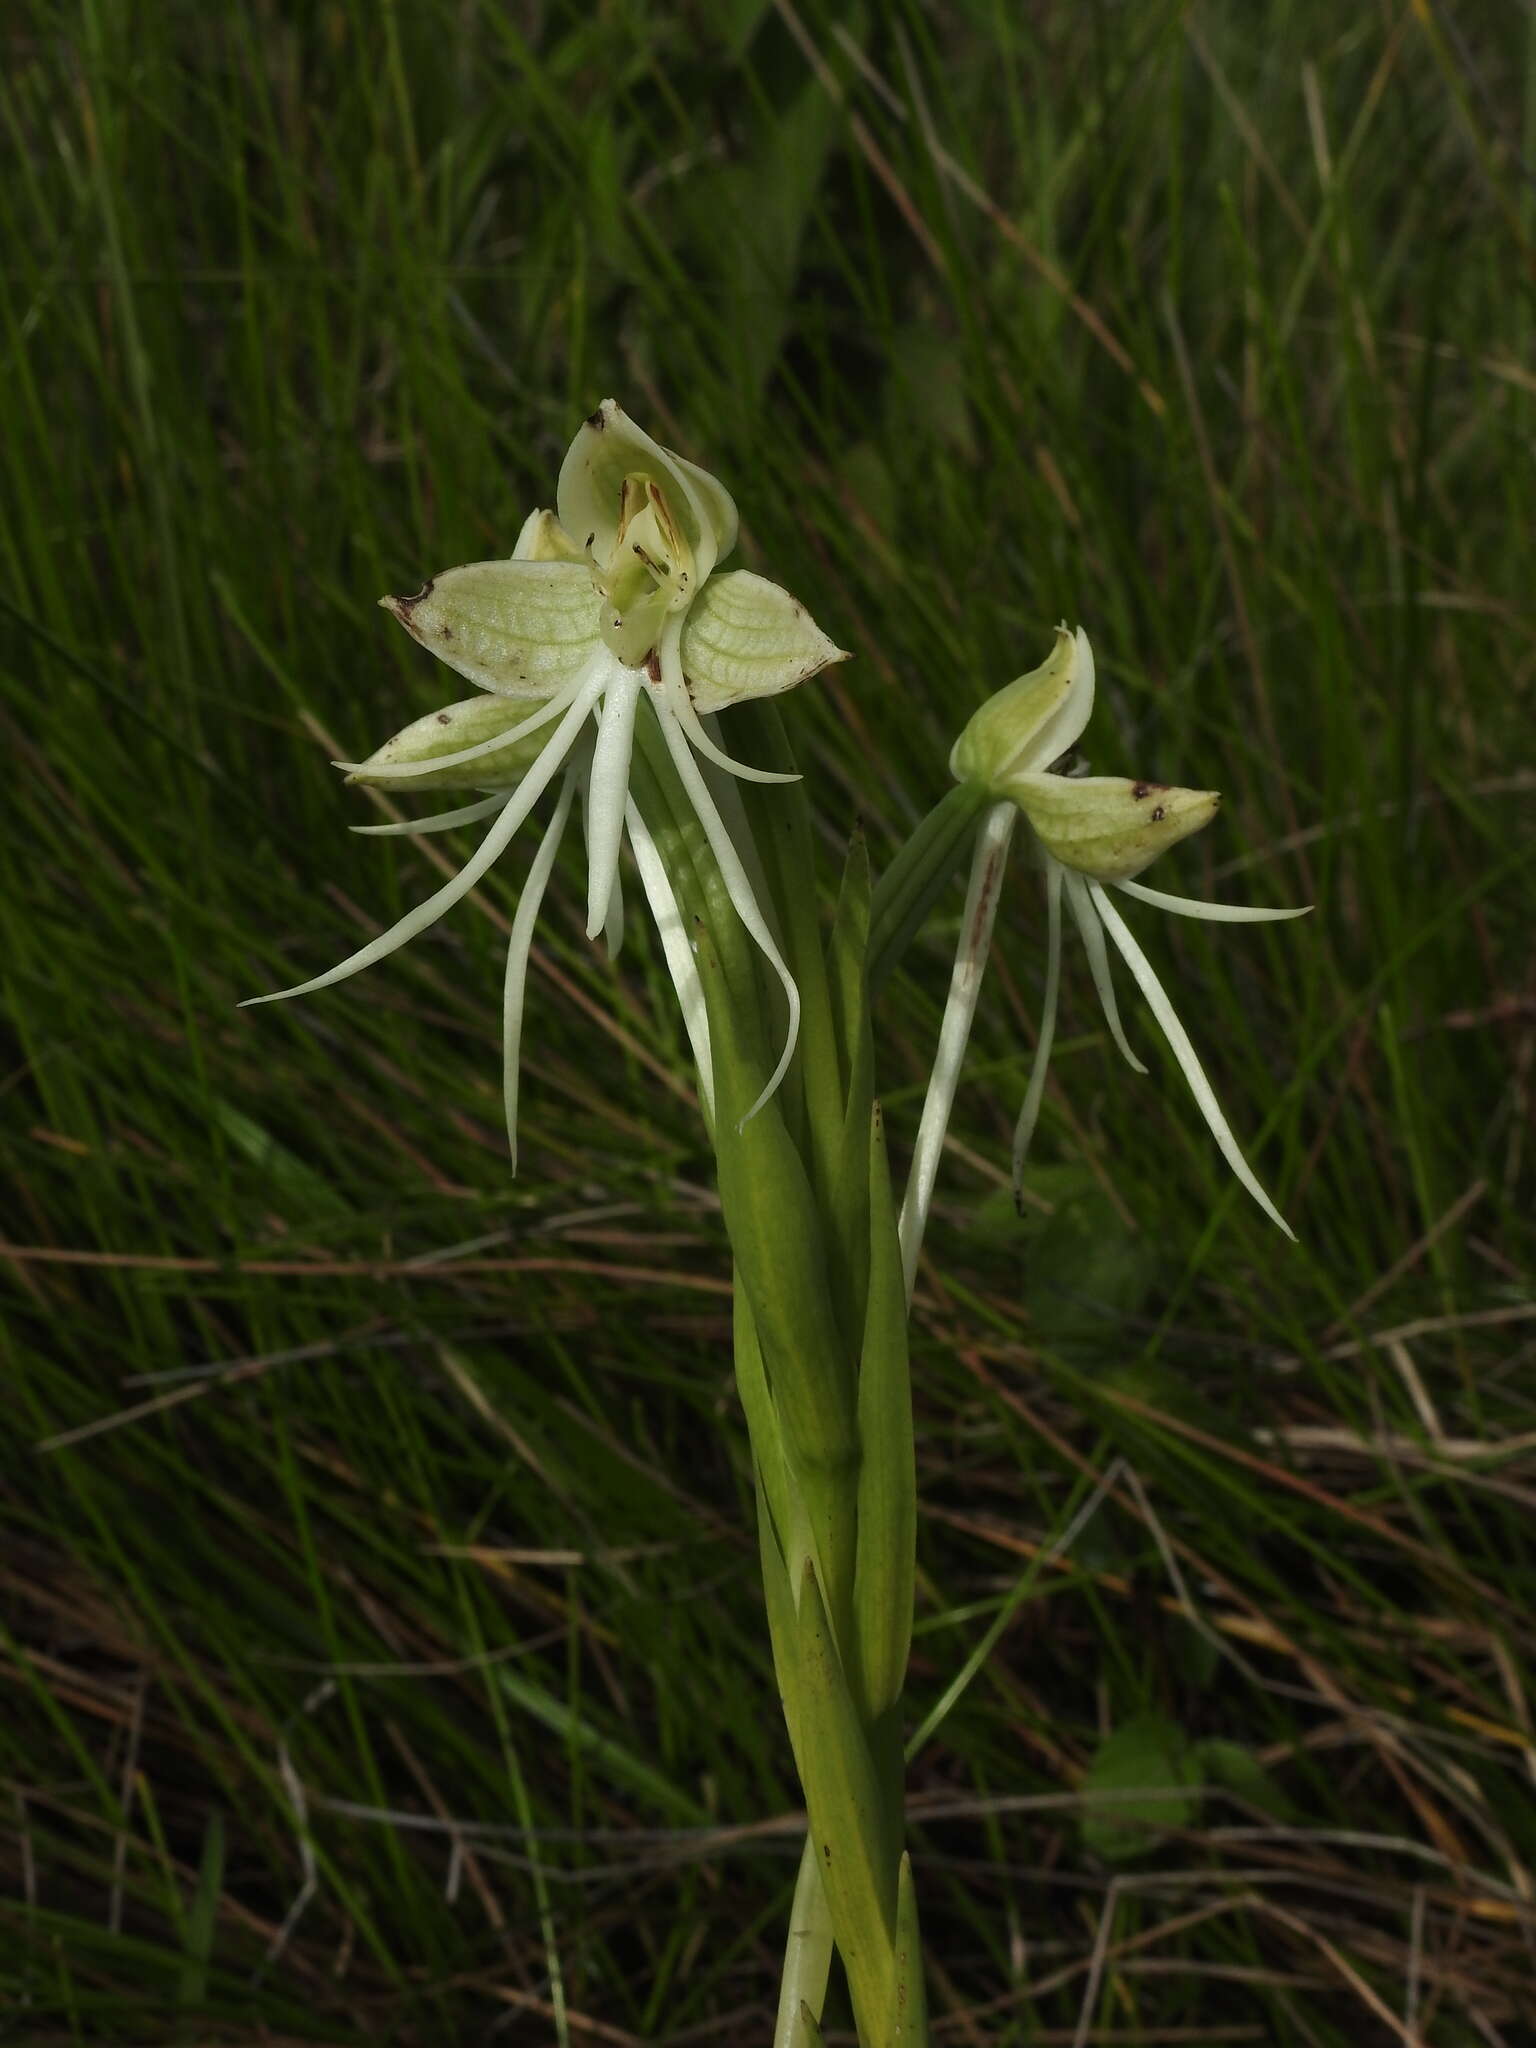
843 1802
744 637
911 2028
887 1526
452 730
518 628
1107 826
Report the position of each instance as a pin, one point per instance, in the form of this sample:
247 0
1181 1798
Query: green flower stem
821 1357
781 825
913 882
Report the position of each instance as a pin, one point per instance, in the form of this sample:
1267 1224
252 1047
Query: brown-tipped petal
517 628
745 637
1107 827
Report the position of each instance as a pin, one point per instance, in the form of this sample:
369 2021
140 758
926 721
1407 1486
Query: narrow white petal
532 787
676 948
738 887
1029 1115
443 821
1212 913
519 945
1086 918
964 987
674 695
607 787
613 919
402 771
1178 1040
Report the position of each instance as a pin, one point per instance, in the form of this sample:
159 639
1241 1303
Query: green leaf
1238 1770
1139 1785
843 1802
887 1527
805 2033
911 1999
203 1915
1087 1270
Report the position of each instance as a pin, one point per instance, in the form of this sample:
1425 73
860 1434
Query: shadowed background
380 1627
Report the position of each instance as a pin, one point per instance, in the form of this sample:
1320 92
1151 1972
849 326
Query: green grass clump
381 1630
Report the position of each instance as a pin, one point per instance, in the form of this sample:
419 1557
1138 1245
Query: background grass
380 1626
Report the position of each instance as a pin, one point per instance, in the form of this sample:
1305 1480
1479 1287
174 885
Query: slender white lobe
1178 1040
981 896
607 785
676 949
1086 918
527 794
738 887
1029 1115
442 821
519 945
1212 913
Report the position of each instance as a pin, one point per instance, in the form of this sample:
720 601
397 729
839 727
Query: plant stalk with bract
603 650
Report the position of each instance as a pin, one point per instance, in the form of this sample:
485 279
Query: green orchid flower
610 608
1090 834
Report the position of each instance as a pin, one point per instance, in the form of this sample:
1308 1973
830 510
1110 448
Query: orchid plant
603 651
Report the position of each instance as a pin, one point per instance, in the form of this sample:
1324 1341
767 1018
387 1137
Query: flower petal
544 539
981 896
442 821
676 947
1178 1041
517 628
1029 1115
745 637
1064 728
1031 721
608 448
519 946
516 809
1086 918
1212 913
433 752
607 788
1106 826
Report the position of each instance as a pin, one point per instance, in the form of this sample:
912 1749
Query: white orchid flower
610 603
1092 833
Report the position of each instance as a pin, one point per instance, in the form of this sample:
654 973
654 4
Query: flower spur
1090 834
566 640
